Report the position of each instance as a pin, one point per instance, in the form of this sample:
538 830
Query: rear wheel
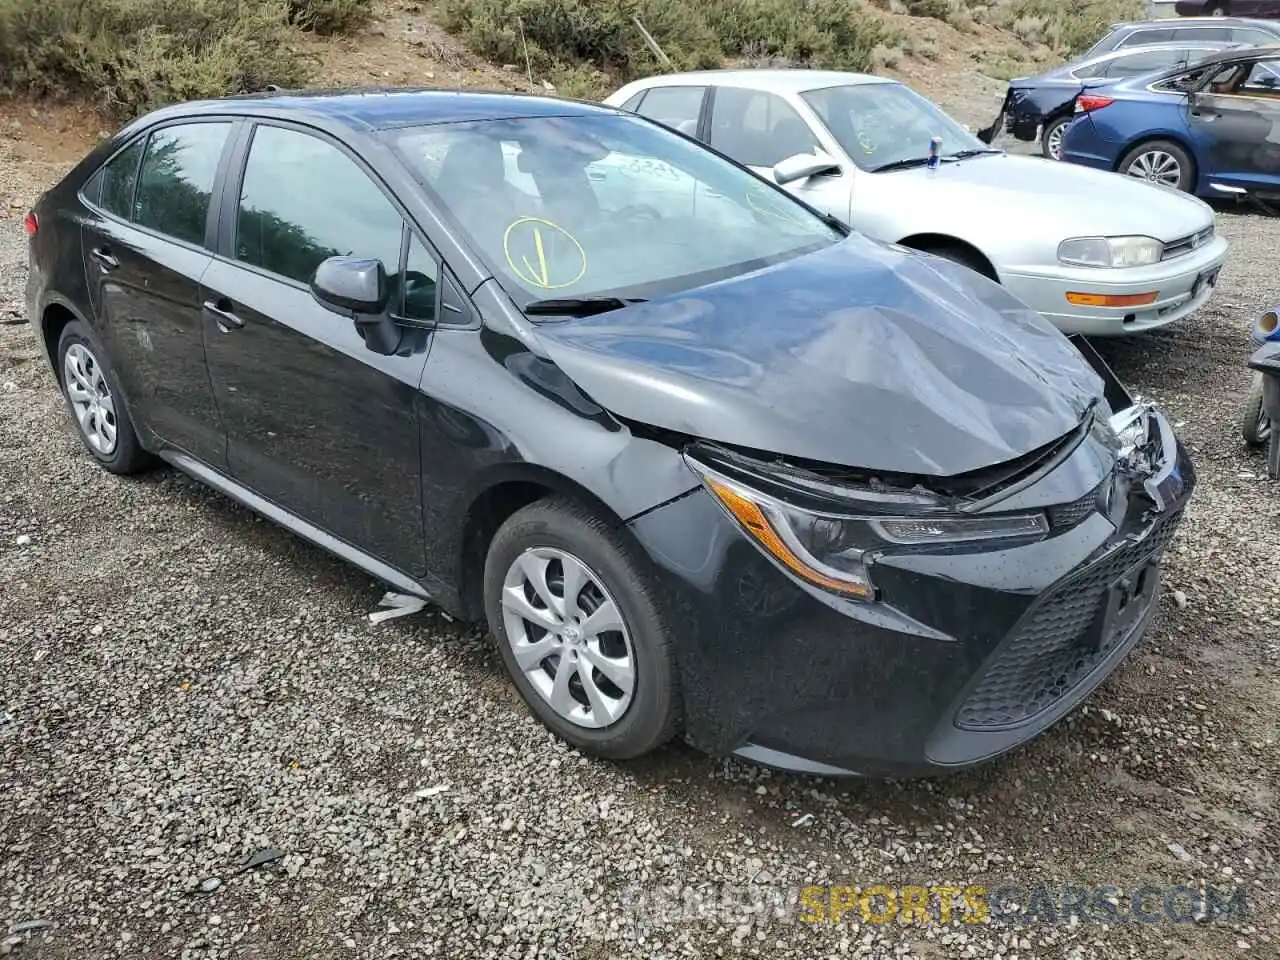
1160 161
1051 137
96 403
576 611
1218 9
1255 425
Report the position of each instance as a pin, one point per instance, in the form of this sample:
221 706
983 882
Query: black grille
1184 245
1066 515
1050 652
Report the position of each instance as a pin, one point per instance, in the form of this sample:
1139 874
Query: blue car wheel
1160 161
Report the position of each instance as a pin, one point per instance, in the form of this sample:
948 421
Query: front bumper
965 656
1182 286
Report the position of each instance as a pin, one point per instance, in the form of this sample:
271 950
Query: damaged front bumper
967 651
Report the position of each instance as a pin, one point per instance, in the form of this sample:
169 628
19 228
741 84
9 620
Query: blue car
1205 129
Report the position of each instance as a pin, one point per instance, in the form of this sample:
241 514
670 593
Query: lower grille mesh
1056 645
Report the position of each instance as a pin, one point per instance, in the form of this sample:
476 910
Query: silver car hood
1062 198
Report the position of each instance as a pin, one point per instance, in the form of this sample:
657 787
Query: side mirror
352 285
804 165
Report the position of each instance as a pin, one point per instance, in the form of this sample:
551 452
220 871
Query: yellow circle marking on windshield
525 245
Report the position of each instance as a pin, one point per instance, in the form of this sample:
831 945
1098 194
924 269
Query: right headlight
835 551
1110 251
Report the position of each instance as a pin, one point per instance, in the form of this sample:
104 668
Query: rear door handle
221 311
104 258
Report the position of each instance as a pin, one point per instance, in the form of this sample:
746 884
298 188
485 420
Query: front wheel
1160 161
577 614
1051 137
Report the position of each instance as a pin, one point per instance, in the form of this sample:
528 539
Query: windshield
882 124
604 206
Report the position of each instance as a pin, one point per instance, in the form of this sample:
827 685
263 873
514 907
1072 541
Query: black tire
1186 166
1273 455
1217 9
127 455
1255 427
1050 128
652 718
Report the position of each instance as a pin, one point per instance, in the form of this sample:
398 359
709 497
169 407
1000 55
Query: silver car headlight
1110 251
835 551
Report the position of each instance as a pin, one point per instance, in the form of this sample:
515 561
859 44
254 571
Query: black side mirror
358 288
351 285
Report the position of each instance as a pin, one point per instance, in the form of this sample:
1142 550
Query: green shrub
330 16
131 55
1067 27
831 34
601 34
594 32
937 9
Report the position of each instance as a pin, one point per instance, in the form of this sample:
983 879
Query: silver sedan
1094 252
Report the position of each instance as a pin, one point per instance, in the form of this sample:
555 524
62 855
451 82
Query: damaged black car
708 464
1043 106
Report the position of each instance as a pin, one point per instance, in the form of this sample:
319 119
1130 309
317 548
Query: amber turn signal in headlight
776 533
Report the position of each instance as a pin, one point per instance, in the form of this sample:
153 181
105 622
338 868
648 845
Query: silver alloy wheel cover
1054 144
1156 166
91 400
564 643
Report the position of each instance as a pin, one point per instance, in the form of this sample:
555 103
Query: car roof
777 80
373 108
1170 22
1164 45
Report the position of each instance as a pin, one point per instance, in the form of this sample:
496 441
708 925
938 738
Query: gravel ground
182 685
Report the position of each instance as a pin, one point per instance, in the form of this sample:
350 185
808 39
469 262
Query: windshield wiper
904 164
578 306
962 154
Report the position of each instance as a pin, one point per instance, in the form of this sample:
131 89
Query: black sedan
708 464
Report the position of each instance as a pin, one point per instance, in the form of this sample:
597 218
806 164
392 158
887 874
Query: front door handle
104 258
221 311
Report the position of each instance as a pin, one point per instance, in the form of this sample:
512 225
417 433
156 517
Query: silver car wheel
568 637
1157 167
1054 144
91 399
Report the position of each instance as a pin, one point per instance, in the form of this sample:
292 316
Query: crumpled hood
1065 199
862 354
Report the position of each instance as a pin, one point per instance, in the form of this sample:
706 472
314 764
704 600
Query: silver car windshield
886 125
604 205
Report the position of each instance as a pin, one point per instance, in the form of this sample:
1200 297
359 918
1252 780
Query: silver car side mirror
804 165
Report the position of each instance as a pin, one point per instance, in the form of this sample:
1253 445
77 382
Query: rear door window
1136 64
1253 36
176 179
1140 37
674 107
1203 33
117 181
